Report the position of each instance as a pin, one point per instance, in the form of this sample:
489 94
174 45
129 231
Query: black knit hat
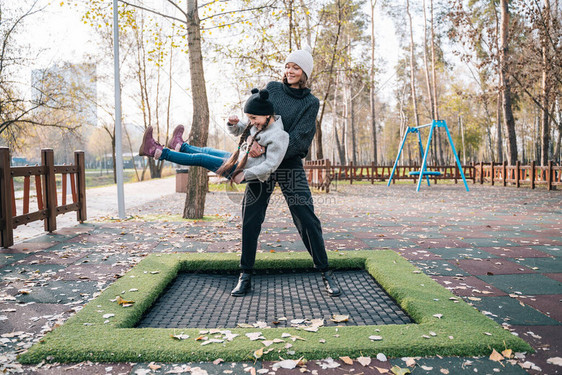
258 103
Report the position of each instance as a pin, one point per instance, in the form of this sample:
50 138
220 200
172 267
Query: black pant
292 179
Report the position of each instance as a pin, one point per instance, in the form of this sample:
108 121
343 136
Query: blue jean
206 157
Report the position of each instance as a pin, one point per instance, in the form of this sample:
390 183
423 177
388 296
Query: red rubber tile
492 267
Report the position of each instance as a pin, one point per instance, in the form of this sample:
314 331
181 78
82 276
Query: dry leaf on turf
347 360
365 361
258 353
400 371
507 353
218 361
181 336
495 356
382 370
121 301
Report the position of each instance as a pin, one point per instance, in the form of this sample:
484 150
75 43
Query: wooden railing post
504 172
48 160
327 176
79 161
549 175
492 174
533 174
481 173
6 198
373 171
351 172
517 173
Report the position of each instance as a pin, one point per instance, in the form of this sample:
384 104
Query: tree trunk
508 119
372 100
197 180
545 86
412 67
499 125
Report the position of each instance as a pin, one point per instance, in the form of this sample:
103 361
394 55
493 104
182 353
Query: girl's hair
231 161
303 82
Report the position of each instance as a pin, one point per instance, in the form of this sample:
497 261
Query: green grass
87 336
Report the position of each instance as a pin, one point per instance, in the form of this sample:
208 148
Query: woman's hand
256 150
238 178
233 120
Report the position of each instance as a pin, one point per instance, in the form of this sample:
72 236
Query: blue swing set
423 172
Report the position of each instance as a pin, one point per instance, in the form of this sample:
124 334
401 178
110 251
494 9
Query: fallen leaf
554 361
218 361
410 362
426 368
382 370
288 364
438 316
381 357
121 301
375 338
400 371
339 318
444 371
347 360
181 336
507 353
365 361
258 353
154 366
495 356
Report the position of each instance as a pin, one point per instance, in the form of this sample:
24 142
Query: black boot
243 286
331 284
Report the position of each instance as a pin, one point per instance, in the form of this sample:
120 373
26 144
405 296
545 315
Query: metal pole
118 142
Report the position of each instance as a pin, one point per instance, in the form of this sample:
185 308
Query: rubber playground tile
50 257
348 244
322 367
462 253
224 246
554 276
110 258
376 234
527 284
279 245
468 286
7 259
92 272
20 315
542 265
414 254
268 236
342 235
50 237
491 242
510 310
515 252
82 368
60 292
460 366
547 344
455 233
534 241
491 267
439 268
75 230
191 246
233 368
548 304
29 271
27 247
441 243
388 243
552 250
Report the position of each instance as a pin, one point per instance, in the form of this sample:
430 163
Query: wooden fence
45 181
322 173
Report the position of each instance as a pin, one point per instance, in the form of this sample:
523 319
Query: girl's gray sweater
275 140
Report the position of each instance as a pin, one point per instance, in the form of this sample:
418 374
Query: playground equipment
423 172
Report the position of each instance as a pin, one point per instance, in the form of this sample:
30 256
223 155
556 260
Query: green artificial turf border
462 330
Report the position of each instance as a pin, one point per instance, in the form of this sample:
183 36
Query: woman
298 108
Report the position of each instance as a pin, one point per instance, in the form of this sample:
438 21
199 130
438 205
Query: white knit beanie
302 58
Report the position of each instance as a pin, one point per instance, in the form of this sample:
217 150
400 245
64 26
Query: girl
264 129
298 108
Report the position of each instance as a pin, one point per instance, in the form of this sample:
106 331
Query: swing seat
426 173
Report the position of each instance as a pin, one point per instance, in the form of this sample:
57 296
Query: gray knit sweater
274 139
298 109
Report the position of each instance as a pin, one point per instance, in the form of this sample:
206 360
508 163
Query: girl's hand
238 178
233 120
256 150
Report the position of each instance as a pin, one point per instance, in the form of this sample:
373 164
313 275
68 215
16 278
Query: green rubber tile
60 292
233 368
108 258
388 243
463 253
65 245
508 310
553 250
341 235
6 259
278 245
528 284
29 271
460 366
489 242
542 265
439 268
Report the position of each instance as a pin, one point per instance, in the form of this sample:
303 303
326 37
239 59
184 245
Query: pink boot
149 146
176 141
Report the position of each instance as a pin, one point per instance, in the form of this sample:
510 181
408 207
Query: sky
60 35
